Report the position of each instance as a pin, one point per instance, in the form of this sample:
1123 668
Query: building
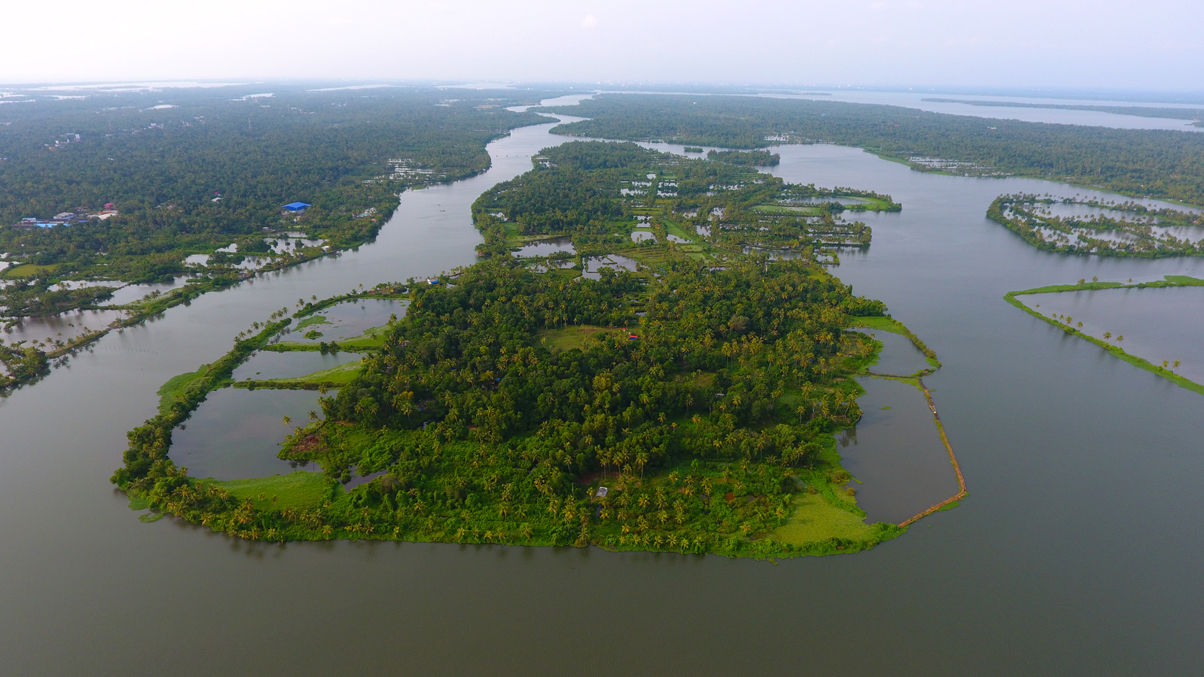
296 207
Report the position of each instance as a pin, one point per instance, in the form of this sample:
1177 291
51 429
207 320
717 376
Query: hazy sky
1152 44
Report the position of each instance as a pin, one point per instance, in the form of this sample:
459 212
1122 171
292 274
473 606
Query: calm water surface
1077 552
236 433
1158 324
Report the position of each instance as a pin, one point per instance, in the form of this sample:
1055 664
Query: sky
1101 44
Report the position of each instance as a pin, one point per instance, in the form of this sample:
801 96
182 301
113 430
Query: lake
1076 552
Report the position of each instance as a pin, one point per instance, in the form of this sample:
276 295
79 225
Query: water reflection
1157 324
349 319
895 453
268 364
547 247
236 433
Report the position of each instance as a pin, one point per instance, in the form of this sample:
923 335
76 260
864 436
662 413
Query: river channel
1077 551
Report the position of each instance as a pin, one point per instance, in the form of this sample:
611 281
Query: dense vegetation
601 193
1160 164
210 170
683 406
1098 227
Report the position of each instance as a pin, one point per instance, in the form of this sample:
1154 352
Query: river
1077 551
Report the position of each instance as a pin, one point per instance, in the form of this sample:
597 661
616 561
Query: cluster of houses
80 215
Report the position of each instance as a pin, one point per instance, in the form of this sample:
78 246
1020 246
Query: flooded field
1157 324
236 432
349 319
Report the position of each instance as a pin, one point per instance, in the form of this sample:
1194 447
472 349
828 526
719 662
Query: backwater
1076 552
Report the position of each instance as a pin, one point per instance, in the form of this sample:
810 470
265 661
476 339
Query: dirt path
961 481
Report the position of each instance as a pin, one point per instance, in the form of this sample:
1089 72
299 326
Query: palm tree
287 419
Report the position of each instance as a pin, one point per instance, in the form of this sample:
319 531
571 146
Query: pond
267 364
899 356
546 247
235 433
1157 324
349 319
899 465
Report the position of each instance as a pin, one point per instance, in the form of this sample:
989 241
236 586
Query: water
1158 324
899 356
1050 115
349 319
235 433
894 453
268 364
547 247
1076 552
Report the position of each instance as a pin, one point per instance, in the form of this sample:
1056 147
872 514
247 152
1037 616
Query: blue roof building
295 206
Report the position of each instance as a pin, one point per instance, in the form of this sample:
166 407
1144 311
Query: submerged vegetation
1099 227
676 405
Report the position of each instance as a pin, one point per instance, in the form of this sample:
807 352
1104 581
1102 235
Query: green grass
567 338
28 270
1185 280
674 229
880 323
815 519
299 489
177 385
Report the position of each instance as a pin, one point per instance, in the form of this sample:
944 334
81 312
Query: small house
296 207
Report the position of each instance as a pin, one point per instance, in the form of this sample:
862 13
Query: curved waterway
1077 551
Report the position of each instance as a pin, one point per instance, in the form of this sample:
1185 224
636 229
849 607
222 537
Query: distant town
80 215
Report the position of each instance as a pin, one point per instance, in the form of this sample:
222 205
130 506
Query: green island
1066 324
684 399
1116 229
142 192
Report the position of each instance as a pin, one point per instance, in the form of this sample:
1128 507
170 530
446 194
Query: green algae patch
310 321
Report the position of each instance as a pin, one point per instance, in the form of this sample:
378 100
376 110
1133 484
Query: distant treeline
1159 164
1194 114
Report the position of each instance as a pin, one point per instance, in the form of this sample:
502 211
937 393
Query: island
678 392
1100 227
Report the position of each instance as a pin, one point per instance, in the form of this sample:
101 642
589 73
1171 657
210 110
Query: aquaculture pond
1076 552
1157 323
546 247
268 364
346 320
899 465
236 432
899 356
